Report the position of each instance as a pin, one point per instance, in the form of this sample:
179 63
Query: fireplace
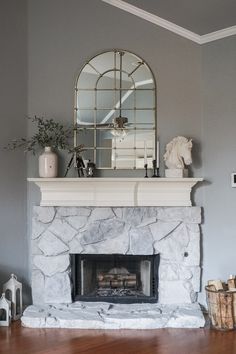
115 240
112 258
115 278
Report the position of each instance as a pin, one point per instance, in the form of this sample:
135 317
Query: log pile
117 278
221 299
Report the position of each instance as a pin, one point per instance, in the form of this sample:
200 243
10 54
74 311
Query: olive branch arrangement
49 133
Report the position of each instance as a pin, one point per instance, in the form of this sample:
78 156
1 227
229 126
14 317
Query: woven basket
221 308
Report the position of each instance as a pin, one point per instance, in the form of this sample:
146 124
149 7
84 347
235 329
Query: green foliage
49 133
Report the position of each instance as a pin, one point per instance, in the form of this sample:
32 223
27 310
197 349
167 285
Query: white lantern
5 311
13 291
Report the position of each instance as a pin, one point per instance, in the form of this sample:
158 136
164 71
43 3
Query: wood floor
19 340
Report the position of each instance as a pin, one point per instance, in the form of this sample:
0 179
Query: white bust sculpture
177 155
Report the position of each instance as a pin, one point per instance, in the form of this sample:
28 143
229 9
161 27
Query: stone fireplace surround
173 232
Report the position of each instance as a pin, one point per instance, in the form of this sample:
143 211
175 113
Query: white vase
48 163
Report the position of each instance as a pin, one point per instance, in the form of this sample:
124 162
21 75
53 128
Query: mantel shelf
115 191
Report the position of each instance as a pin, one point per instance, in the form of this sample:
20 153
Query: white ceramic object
48 163
178 153
5 306
13 291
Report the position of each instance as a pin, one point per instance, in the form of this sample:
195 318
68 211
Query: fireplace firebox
115 278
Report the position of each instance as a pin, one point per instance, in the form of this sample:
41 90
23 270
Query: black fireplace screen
115 278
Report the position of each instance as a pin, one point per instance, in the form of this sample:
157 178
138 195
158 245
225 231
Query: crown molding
134 10
183 32
214 36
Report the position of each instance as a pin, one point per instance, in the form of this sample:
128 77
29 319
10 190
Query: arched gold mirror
115 111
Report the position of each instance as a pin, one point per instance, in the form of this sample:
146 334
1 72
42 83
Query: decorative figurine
90 169
5 311
178 154
13 291
78 161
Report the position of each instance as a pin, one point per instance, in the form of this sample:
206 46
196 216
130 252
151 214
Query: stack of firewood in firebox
221 299
117 278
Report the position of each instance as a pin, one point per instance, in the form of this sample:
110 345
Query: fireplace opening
115 278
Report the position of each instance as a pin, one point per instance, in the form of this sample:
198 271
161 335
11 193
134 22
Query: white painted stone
117 245
113 316
141 241
187 316
184 214
62 229
34 247
139 216
37 228
52 265
162 229
90 249
66 211
118 212
75 246
175 235
44 214
51 245
193 249
173 292
196 278
81 211
147 222
172 247
101 214
77 222
112 228
37 282
73 211
92 234
57 289
174 271
193 228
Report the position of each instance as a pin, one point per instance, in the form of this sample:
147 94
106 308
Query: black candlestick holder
146 173
155 169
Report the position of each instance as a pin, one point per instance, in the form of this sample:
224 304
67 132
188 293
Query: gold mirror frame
87 120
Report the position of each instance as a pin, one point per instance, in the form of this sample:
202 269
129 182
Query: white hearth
90 315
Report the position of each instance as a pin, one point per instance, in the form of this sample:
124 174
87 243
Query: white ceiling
199 16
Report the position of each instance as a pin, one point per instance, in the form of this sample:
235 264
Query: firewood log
130 283
226 310
212 296
231 283
217 283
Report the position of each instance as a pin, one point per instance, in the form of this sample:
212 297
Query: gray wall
13 109
196 98
219 158
63 34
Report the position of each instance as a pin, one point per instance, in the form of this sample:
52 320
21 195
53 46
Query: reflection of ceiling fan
119 123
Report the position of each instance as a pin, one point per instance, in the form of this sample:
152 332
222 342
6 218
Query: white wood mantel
115 191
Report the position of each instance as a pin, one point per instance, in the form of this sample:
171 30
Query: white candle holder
5 311
13 291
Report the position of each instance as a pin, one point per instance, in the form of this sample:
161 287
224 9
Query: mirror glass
115 111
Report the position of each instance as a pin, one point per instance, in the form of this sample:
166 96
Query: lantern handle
14 276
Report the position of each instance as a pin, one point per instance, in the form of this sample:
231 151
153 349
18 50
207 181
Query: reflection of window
125 154
116 101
